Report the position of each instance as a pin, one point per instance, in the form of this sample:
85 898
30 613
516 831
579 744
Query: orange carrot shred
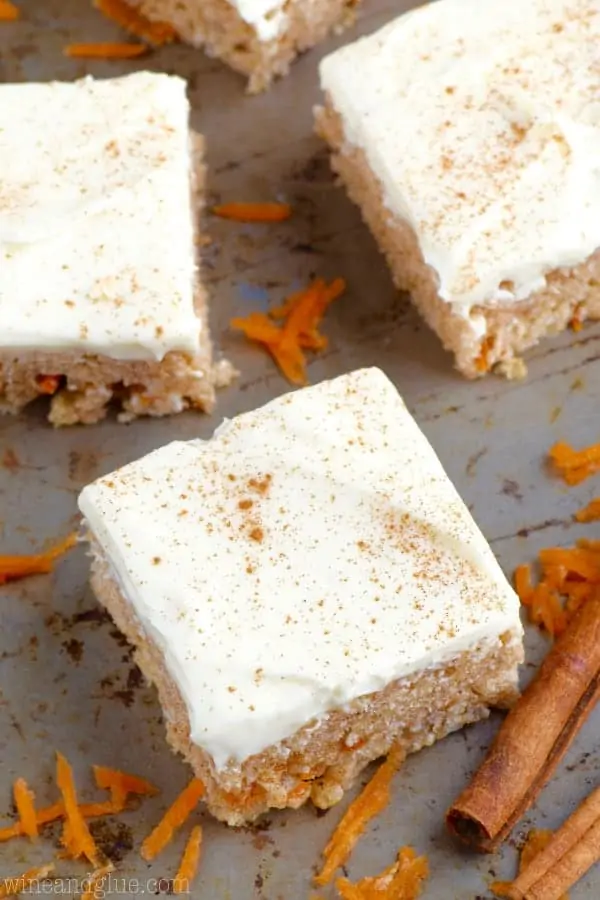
403 880
189 862
120 784
77 837
173 819
575 465
135 23
8 11
370 802
589 513
105 50
24 801
302 313
57 811
15 567
48 384
9 887
253 212
95 881
258 327
523 585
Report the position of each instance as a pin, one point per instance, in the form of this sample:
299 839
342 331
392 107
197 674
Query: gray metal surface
66 677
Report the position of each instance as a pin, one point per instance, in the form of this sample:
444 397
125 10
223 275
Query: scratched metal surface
66 677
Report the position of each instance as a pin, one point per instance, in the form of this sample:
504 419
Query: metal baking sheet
67 680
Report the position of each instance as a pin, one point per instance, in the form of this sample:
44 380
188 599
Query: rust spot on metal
531 529
10 460
473 460
75 649
96 615
114 839
135 679
554 414
511 488
120 638
255 827
260 841
82 466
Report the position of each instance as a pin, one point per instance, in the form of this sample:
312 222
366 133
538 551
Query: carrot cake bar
100 299
468 132
305 589
259 38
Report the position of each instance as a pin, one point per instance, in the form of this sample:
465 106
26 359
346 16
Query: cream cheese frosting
96 231
311 552
267 17
481 120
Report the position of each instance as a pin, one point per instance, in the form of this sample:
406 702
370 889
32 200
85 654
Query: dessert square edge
310 591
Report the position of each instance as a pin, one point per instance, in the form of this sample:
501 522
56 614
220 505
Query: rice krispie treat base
322 760
217 27
570 297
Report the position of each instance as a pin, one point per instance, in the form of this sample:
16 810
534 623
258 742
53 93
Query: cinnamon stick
573 849
534 736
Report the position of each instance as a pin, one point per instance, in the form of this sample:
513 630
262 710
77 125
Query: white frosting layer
96 232
311 552
267 17
482 121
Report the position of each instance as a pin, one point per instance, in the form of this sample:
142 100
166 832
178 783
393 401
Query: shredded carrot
189 862
575 324
576 560
95 881
135 23
48 384
403 880
589 513
570 575
253 212
57 811
258 327
11 886
8 11
24 801
482 363
302 313
523 585
15 567
173 819
575 466
121 784
77 837
370 802
105 50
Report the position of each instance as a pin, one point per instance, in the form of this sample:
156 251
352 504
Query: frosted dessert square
259 38
305 589
100 298
468 132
